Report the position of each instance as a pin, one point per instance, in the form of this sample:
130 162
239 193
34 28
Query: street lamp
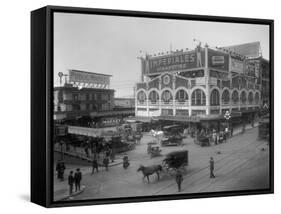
227 116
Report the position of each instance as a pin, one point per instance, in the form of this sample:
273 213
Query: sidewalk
248 126
61 188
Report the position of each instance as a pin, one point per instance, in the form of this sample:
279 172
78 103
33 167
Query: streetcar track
218 161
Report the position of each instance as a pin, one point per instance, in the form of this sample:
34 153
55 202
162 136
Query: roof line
90 72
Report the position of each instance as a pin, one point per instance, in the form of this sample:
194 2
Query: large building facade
199 85
72 102
86 100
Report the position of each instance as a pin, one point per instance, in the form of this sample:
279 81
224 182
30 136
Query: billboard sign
174 62
250 69
236 65
88 77
217 59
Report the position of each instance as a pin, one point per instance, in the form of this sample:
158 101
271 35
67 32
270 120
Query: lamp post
227 116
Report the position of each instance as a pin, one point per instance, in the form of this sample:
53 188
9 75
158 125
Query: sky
112 44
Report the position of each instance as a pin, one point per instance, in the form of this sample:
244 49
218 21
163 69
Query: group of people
179 176
220 137
74 180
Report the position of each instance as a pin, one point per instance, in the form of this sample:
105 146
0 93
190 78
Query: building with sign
87 100
198 86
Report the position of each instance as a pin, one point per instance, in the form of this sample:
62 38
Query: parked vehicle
202 141
173 140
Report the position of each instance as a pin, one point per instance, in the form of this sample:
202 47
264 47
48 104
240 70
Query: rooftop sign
174 62
77 76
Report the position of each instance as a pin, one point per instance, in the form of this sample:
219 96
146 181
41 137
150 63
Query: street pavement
241 163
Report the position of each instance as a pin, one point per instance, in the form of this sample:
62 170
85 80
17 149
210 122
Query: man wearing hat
212 163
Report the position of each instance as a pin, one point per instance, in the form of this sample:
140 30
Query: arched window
257 98
215 98
167 96
141 97
243 97
251 97
198 98
235 97
181 95
225 97
153 96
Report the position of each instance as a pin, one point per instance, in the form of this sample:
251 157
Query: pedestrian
224 136
57 169
215 137
60 167
77 179
70 182
179 179
106 162
112 155
107 152
95 165
125 161
86 149
212 163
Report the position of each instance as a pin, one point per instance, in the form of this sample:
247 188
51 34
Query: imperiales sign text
173 60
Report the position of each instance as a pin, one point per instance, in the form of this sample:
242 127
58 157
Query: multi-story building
72 102
86 100
198 87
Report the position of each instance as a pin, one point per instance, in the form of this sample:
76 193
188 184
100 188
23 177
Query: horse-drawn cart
175 160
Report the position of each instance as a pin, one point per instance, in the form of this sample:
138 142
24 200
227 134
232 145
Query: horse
149 170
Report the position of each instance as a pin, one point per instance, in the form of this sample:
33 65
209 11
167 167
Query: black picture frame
42 21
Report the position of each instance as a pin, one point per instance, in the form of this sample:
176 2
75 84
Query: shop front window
181 96
215 98
251 98
198 98
153 97
235 97
167 97
257 98
141 97
225 98
243 97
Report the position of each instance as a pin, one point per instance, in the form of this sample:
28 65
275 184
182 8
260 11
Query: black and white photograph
156 107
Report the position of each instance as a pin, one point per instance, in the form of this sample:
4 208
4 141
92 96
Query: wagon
155 151
174 140
175 160
150 145
202 141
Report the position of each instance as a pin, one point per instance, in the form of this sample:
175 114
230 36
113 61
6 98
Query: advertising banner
250 69
174 62
87 77
236 65
218 60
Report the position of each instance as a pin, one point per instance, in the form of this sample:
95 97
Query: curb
70 197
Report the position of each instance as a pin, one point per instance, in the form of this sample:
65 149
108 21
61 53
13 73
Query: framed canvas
134 106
